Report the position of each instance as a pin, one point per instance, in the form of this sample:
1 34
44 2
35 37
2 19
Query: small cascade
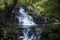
28 29
25 19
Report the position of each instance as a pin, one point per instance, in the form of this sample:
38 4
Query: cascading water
24 18
28 31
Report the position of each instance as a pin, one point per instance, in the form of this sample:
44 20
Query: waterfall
28 31
25 19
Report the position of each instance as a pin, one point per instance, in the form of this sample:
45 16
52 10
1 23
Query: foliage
49 8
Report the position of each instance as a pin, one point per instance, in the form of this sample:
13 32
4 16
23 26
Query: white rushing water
24 18
27 32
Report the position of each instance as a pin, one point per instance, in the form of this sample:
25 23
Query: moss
2 7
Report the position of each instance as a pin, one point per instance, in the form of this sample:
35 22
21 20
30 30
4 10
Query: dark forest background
47 8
